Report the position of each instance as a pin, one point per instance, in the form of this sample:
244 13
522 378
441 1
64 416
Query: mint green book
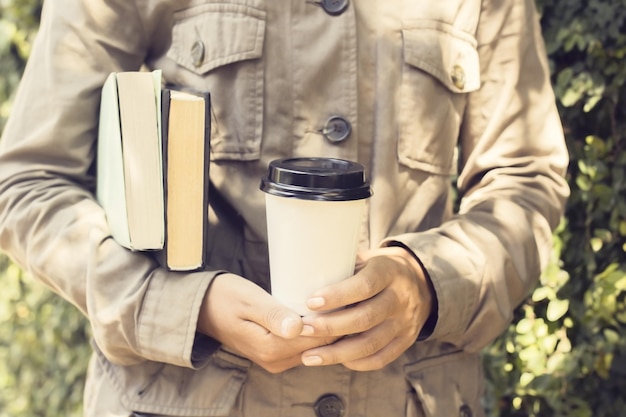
129 184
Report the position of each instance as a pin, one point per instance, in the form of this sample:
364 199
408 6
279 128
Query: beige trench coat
412 80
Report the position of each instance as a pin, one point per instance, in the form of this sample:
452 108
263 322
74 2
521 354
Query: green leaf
611 336
622 228
583 183
542 293
557 309
596 244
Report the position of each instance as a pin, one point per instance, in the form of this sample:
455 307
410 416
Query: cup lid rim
316 178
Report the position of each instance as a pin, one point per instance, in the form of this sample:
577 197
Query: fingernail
312 360
315 302
288 326
307 330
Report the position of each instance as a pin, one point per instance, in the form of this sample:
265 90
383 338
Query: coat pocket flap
448 385
216 34
447 53
158 389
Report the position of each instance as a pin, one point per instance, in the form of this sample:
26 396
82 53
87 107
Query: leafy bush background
565 352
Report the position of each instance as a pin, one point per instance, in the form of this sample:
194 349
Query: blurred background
565 352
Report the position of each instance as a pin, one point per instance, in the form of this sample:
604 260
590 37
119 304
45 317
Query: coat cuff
452 273
167 323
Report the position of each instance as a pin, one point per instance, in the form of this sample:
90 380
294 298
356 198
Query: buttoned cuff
168 319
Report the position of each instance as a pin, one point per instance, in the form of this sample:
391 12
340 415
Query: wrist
425 286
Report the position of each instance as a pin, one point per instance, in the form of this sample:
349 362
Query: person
421 93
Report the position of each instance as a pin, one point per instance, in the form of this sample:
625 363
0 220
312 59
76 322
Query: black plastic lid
326 179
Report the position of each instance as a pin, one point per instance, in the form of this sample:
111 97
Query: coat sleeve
486 259
50 223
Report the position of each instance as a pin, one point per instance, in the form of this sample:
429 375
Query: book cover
129 183
186 146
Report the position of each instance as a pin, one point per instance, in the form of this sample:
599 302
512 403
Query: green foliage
565 352
43 350
19 20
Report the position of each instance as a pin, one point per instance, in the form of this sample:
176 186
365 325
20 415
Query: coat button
465 411
335 7
197 53
329 405
337 129
458 77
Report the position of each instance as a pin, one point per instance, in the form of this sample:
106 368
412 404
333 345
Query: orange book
186 145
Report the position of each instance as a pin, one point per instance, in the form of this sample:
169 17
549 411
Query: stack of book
153 167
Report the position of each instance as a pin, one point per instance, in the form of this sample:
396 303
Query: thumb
283 322
244 300
277 319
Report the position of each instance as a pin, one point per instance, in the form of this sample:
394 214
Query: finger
355 319
276 318
283 365
381 358
361 259
351 348
272 352
261 308
362 286
276 362
272 365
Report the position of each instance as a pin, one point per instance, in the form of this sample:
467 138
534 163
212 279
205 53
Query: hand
242 316
386 304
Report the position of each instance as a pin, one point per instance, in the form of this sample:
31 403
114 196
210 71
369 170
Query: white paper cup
315 208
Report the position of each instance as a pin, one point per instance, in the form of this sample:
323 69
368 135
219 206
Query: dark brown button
465 411
335 7
337 129
329 405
